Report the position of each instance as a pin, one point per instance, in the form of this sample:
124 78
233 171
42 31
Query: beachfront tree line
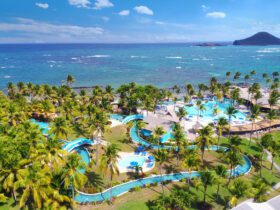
37 173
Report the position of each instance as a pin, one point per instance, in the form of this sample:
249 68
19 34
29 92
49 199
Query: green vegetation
35 173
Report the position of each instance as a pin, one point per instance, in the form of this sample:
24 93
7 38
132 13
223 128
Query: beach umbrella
197 126
140 149
133 163
151 158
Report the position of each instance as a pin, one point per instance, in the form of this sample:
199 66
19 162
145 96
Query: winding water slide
125 187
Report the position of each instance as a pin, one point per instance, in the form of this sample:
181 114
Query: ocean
163 65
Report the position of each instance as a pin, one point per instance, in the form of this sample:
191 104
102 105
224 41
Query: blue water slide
69 146
132 118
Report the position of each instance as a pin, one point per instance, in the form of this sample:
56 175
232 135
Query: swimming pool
125 161
42 125
208 114
118 117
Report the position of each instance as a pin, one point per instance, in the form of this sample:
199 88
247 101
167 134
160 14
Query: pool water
146 132
42 125
208 114
124 162
117 117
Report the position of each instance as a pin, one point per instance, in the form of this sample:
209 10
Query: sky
135 21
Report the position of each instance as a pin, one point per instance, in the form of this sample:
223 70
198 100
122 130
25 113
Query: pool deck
124 155
262 102
261 125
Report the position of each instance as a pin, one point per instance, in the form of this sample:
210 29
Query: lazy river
125 187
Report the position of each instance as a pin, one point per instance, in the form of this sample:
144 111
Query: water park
140 146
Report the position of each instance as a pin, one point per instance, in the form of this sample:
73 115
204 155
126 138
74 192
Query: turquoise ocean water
160 64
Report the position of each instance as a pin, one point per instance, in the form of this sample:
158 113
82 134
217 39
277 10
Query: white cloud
205 8
216 15
32 30
143 10
80 3
160 23
100 4
42 5
124 12
105 18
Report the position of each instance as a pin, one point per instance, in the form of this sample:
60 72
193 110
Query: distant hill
261 38
210 44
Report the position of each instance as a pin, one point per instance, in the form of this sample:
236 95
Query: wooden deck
262 125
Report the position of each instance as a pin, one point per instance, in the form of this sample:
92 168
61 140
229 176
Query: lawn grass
118 135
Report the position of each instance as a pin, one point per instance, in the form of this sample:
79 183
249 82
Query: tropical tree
161 156
239 188
255 111
228 73
274 148
60 128
207 179
72 176
260 188
272 115
35 186
191 161
109 163
181 113
264 144
180 139
231 112
158 132
235 158
70 79
204 139
221 172
221 126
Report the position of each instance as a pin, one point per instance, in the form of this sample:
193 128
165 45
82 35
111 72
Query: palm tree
235 158
255 111
237 76
260 189
181 113
35 186
257 96
239 188
8 177
72 176
70 79
274 148
158 132
264 144
246 78
275 74
179 138
207 179
228 75
221 172
59 128
138 169
204 140
221 125
191 162
231 112
109 163
253 72
272 115
161 156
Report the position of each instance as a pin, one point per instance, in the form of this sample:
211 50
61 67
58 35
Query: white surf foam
173 57
269 50
7 76
97 56
178 67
